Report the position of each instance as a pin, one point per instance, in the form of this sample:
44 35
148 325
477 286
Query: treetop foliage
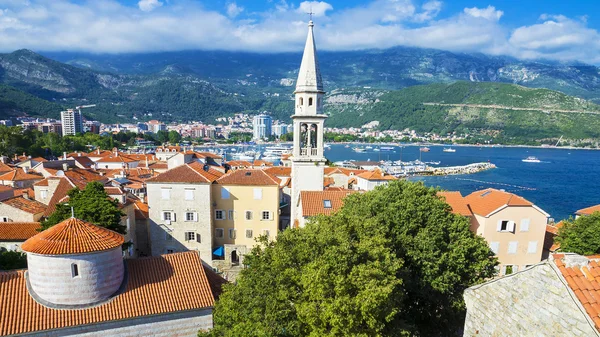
581 235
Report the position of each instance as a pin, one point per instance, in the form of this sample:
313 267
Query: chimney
78 154
98 150
146 161
26 194
64 155
65 167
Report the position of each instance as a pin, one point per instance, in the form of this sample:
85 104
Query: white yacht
531 159
449 149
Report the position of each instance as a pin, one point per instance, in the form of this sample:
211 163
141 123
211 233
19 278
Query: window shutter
173 217
198 238
511 226
525 225
512 247
499 227
495 247
532 247
195 216
257 193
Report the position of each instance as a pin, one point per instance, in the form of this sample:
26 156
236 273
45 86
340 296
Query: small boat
376 149
449 149
424 149
368 147
347 146
386 148
358 149
531 159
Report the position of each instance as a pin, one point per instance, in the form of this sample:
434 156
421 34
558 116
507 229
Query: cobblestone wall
533 302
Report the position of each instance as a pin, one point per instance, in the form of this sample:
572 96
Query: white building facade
72 122
307 158
262 126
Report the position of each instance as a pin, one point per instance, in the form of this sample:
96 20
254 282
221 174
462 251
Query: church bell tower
307 157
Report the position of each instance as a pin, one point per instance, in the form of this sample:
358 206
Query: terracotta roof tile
155 285
116 159
141 210
73 236
27 205
61 191
193 172
486 201
313 202
376 174
259 162
20 175
239 163
584 281
456 202
248 177
5 168
82 177
18 231
589 210
279 171
342 170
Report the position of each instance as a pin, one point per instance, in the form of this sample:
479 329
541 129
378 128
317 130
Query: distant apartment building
72 122
280 130
55 127
246 206
262 126
155 126
92 126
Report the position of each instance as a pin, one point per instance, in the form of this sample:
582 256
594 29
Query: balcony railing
305 151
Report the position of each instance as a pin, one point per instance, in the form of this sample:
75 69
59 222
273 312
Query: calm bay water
566 180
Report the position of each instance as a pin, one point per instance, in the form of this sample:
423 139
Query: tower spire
309 76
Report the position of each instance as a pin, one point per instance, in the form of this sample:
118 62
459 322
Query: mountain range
201 85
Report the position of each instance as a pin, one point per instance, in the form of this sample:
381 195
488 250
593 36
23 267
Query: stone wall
534 302
180 324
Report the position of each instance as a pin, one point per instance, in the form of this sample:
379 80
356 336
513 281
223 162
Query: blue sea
566 180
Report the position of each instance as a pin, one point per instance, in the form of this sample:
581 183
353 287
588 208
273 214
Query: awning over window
219 251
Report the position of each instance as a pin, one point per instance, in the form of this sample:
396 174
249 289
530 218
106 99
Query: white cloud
109 26
489 13
149 5
318 8
234 10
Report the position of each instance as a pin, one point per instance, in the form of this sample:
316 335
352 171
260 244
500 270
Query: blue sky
527 29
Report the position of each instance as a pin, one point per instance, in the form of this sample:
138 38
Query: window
512 247
74 270
231 233
266 232
165 193
4 219
170 251
189 194
44 194
219 233
266 215
168 216
495 247
190 236
219 214
224 193
249 234
310 100
168 237
248 215
301 101
532 247
257 193
191 216
506 226
327 203
525 225
231 214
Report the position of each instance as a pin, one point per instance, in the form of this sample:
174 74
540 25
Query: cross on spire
310 13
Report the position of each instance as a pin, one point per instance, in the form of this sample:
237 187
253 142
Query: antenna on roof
72 212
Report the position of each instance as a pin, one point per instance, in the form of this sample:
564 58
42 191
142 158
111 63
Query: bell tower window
74 270
310 100
301 101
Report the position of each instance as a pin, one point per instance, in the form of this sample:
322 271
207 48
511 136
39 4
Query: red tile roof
584 281
60 193
313 202
259 162
342 170
141 210
18 231
73 236
193 172
457 202
5 168
486 201
248 177
20 175
116 159
589 210
27 205
279 171
155 285
81 177
239 163
376 174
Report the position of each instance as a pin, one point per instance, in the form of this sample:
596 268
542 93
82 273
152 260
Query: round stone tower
74 264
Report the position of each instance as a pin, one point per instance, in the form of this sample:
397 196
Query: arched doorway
235 259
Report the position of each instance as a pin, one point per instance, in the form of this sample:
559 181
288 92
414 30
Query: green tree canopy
391 262
581 235
91 204
174 137
12 260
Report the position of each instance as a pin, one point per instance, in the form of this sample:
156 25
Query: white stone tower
307 156
74 265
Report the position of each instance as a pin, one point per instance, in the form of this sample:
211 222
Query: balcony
306 151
